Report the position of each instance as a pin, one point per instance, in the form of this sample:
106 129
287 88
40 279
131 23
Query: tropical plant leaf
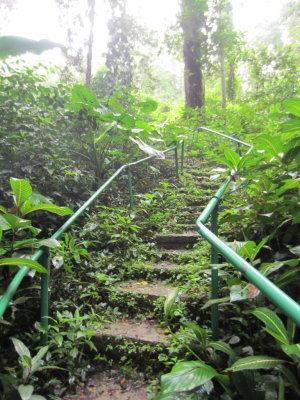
23 262
292 106
273 323
169 303
232 157
3 209
187 375
223 347
271 144
254 362
4 225
291 126
210 302
37 360
148 106
52 243
25 391
20 347
16 222
289 184
291 349
22 190
200 333
28 207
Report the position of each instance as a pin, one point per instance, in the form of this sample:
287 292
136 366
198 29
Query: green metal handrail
287 305
43 253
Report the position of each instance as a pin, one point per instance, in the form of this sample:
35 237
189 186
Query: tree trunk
223 82
193 80
231 82
88 75
193 22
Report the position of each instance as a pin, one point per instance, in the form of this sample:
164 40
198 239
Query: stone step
133 341
151 289
179 256
137 297
177 240
143 331
164 270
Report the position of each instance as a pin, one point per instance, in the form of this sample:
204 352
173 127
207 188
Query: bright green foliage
187 376
12 221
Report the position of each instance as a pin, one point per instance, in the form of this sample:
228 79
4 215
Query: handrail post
176 161
45 296
182 155
214 278
129 175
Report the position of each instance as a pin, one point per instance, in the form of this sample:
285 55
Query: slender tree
91 14
224 38
119 57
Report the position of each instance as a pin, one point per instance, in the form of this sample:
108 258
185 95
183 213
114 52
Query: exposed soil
111 386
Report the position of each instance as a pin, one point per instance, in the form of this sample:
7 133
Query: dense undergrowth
66 142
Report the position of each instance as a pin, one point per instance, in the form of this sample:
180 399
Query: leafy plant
12 221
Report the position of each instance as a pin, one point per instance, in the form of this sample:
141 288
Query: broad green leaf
37 359
223 347
187 375
114 104
1 233
25 243
20 347
287 277
23 262
200 333
209 303
28 208
25 391
148 106
16 222
17 45
22 190
292 106
232 157
271 144
273 323
4 225
289 184
52 243
291 126
291 349
3 209
169 303
291 155
254 362
295 250
83 98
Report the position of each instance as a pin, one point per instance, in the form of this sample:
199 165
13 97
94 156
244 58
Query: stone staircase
140 338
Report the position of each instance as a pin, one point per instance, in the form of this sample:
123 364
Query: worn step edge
151 289
144 331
